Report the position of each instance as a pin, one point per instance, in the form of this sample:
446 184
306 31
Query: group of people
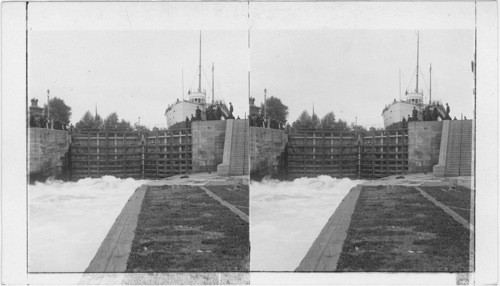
259 121
212 112
42 122
429 113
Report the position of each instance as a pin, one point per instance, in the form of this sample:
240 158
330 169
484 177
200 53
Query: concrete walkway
113 254
326 249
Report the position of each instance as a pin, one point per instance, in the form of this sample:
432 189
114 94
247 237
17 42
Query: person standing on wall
198 113
415 114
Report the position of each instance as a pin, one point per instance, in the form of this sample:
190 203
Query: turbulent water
286 217
67 221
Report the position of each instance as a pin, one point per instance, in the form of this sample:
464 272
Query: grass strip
457 199
394 228
181 229
238 197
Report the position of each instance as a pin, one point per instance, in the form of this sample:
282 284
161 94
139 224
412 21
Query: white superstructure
394 112
181 109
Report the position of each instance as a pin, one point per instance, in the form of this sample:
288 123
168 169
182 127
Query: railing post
397 152
156 151
88 154
341 148
142 155
171 148
107 153
124 156
359 156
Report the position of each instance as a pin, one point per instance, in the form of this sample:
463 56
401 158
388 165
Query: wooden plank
156 155
448 210
88 150
113 254
234 209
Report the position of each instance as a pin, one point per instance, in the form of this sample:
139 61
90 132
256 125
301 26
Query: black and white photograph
365 139
295 143
138 146
405 155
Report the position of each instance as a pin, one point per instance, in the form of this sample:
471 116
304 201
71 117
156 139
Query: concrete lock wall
47 149
265 146
208 144
424 140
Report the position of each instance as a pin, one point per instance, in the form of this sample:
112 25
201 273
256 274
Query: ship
394 113
177 112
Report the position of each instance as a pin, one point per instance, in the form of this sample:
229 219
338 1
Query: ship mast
213 89
430 84
199 69
418 43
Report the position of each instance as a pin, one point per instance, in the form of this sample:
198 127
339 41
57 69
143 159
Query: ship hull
396 111
178 112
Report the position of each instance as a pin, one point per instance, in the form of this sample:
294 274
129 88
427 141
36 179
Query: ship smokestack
199 69
418 43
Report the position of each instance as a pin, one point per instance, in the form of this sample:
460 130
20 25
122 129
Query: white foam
286 217
67 221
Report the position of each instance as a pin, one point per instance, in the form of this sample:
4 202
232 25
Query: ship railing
412 91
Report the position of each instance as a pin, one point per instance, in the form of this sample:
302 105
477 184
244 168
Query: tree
58 110
111 122
124 126
139 127
86 123
275 109
98 122
303 122
315 123
355 127
328 121
341 125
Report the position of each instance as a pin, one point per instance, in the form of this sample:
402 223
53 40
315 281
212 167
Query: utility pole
399 84
265 108
418 45
213 88
199 69
430 83
48 109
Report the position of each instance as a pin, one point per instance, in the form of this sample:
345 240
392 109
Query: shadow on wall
51 170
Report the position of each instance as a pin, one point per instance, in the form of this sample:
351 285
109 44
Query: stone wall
208 144
47 151
265 146
424 140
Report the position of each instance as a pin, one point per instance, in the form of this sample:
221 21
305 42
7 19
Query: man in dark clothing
43 122
465 117
231 111
32 121
435 114
447 109
218 112
415 114
404 122
208 113
198 113
187 122
192 118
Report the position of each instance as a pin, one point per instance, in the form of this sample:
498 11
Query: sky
136 73
355 73
341 57
132 58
